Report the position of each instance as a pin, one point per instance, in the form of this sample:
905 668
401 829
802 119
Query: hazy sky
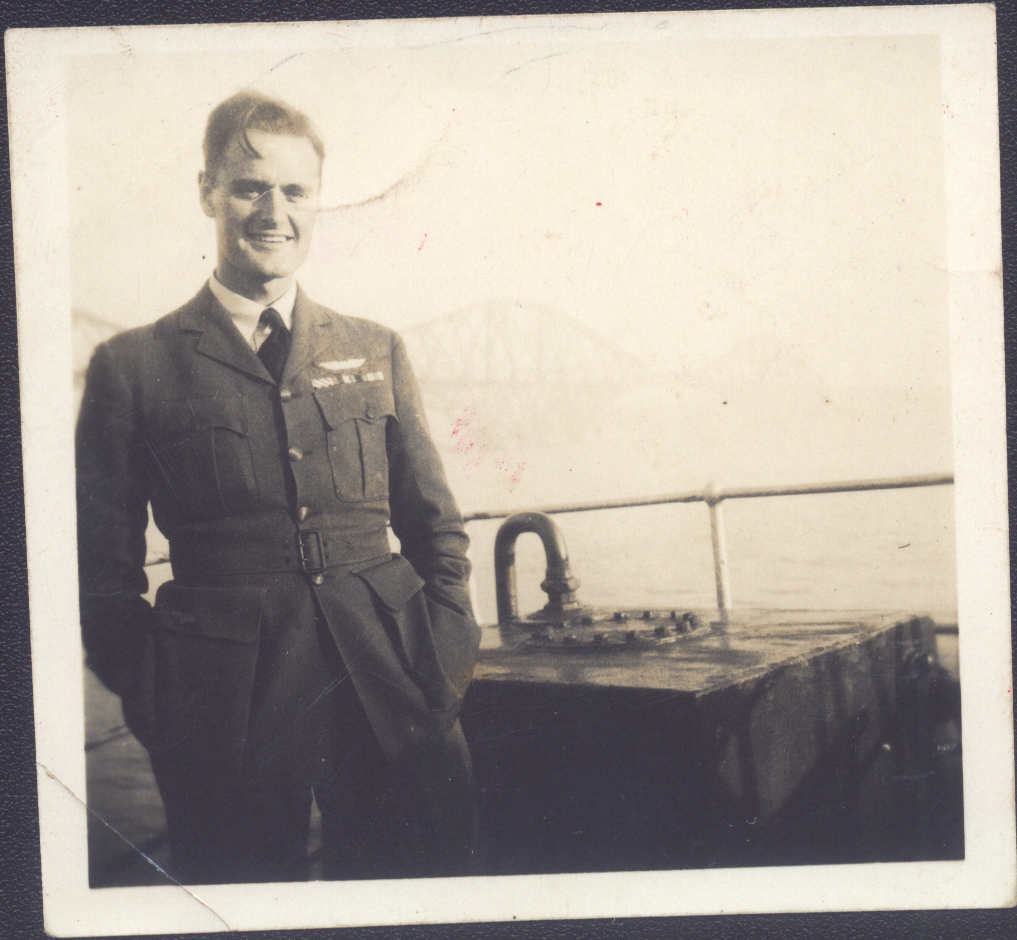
677 197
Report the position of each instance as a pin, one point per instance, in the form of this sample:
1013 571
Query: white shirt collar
246 313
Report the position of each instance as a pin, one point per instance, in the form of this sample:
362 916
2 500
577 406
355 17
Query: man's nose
269 205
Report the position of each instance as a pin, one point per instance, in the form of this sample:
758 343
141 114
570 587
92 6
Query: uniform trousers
414 817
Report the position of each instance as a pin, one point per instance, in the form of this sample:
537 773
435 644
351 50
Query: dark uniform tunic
292 649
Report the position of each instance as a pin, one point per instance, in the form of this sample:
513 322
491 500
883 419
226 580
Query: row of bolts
685 623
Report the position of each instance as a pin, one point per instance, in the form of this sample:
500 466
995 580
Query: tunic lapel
311 335
219 338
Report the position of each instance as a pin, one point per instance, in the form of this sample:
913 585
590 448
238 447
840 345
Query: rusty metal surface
752 645
786 737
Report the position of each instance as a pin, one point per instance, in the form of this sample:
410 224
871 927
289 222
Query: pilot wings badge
334 366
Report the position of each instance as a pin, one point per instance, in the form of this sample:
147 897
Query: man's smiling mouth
269 238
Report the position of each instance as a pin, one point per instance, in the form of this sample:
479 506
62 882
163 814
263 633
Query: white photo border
987 875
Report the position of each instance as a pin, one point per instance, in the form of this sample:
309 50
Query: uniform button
285 393
318 579
295 454
302 513
369 411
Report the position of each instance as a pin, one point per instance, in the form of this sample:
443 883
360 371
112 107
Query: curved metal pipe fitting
559 583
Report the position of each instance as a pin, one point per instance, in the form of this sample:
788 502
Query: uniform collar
246 313
219 339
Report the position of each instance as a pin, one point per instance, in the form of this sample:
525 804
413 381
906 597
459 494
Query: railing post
713 496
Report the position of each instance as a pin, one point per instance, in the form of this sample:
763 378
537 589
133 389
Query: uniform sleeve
113 492
425 517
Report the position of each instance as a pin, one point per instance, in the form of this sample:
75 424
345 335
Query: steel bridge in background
531 369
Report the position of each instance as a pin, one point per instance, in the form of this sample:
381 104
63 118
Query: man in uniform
292 652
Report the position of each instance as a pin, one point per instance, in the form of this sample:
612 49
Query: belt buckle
312 556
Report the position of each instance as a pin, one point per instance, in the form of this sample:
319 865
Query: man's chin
263 270
254 281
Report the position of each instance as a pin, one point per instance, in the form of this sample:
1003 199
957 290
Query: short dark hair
251 110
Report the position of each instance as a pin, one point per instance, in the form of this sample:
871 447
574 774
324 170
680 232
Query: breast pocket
204 454
356 421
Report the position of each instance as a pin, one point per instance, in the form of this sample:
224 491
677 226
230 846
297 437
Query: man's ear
205 188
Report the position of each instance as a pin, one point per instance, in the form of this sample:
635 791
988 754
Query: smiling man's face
264 204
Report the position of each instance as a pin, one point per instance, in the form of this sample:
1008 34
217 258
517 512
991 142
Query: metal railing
714 495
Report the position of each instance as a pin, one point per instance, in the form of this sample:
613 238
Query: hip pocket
206 654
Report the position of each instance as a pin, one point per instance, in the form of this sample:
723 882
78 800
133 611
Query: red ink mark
515 472
469 438
461 432
600 203
424 239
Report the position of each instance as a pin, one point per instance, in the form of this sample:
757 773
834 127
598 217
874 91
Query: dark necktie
276 347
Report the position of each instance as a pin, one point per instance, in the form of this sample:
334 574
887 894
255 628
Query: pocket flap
363 402
226 613
183 416
229 412
394 581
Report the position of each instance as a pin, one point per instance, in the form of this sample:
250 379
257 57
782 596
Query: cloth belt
311 552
